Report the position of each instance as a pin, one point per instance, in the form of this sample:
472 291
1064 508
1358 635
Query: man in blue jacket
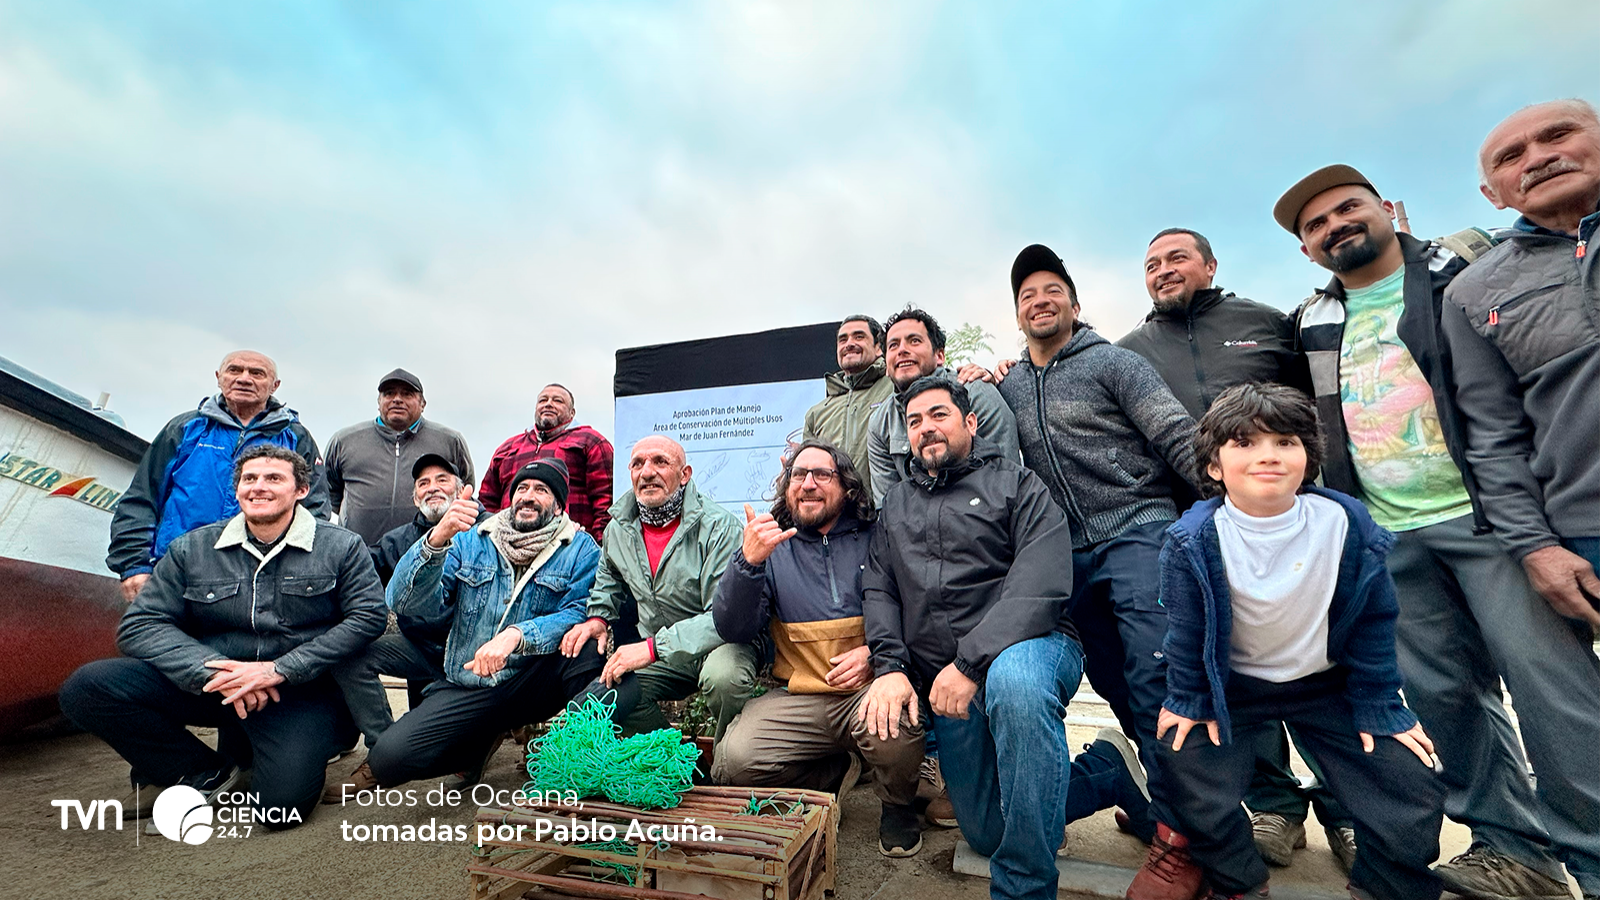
185 478
510 588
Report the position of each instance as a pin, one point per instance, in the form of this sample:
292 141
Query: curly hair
936 335
1247 409
857 499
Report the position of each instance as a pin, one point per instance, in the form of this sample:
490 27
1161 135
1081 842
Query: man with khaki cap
1382 375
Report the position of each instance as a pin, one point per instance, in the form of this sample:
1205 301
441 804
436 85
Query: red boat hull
52 620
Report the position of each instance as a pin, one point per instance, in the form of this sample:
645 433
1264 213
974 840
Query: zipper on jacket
1050 451
827 560
1194 354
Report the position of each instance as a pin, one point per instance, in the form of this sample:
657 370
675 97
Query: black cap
550 470
433 459
1038 258
402 376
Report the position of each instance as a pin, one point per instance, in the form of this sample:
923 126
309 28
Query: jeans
393 655
1396 800
130 705
1468 617
1116 604
455 727
1009 766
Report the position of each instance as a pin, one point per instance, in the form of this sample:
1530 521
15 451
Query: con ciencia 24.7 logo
182 814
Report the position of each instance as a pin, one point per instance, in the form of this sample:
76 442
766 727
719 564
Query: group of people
1344 528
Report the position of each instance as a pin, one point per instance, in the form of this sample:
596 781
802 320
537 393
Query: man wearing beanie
665 551
510 587
1105 433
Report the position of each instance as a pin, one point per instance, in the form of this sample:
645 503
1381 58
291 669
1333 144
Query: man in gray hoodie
1105 433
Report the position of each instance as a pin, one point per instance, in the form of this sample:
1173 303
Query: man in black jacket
238 627
965 601
1203 340
798 572
1468 613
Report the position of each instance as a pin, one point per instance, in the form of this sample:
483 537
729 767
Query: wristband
651 643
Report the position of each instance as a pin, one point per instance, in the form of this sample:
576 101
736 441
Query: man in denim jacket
510 588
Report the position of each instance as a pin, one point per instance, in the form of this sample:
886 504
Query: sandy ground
40 860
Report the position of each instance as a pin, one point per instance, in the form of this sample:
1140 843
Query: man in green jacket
853 393
664 551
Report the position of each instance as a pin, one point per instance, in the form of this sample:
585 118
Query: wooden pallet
787 853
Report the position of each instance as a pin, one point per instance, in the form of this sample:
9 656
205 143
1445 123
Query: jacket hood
1199 304
842 382
983 452
276 413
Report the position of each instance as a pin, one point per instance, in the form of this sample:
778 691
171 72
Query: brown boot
1168 873
359 780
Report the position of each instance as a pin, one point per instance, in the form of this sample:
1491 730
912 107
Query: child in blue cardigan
1281 609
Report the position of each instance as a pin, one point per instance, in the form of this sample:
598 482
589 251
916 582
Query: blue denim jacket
469 584
1194 589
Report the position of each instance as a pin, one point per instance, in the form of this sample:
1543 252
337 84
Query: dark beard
1351 256
546 514
828 514
945 459
1048 331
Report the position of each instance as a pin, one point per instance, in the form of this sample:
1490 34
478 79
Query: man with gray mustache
1521 327
1385 384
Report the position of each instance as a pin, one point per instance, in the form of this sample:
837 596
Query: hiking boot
209 784
1168 873
361 779
940 811
140 800
1132 790
1342 841
1277 837
1483 873
899 831
852 774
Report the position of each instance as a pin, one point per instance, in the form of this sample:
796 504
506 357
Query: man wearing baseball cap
369 463
509 586
1468 614
1105 434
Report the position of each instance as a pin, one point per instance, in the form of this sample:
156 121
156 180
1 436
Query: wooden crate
783 853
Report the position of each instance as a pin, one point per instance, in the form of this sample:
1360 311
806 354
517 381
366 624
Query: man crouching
800 567
510 587
237 629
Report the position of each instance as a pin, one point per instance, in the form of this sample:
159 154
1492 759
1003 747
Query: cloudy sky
498 195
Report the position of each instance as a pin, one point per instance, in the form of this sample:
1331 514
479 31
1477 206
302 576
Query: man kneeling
237 629
800 566
511 587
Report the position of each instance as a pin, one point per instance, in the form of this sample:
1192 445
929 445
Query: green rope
583 753
623 872
758 806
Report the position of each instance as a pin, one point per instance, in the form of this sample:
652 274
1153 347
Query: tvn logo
96 812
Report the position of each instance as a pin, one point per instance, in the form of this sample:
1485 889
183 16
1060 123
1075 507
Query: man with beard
585 452
799 569
1106 436
416 653
665 550
915 349
965 606
854 392
1520 327
368 462
1203 340
510 587
1468 614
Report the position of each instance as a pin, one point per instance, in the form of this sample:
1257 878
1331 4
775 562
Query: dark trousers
1395 799
1274 788
454 727
1116 604
130 705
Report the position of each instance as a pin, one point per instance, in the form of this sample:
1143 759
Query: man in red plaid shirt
586 453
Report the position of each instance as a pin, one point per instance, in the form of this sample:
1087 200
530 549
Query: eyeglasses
824 477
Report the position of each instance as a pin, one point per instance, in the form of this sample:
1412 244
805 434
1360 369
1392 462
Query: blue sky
499 195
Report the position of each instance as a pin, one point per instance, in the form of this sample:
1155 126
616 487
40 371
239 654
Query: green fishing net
582 752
